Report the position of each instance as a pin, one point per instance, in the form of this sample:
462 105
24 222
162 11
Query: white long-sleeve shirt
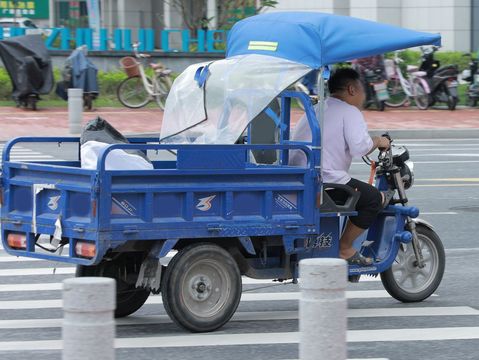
345 135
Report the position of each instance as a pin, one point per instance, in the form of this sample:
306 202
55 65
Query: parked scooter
79 73
374 79
471 75
29 66
442 80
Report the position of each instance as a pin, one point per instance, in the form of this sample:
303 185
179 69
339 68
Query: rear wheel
472 102
124 269
201 287
132 93
451 102
397 96
164 86
451 98
404 280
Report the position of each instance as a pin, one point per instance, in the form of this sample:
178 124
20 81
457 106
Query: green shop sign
33 9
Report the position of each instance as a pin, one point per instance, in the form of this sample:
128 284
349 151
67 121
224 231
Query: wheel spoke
403 278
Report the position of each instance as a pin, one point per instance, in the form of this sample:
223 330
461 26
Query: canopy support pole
320 116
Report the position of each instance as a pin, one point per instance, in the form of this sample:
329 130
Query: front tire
421 97
201 288
124 269
408 283
397 96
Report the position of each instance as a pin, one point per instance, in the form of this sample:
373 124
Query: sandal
358 259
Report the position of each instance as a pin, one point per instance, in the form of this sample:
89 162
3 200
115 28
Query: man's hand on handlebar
384 143
380 142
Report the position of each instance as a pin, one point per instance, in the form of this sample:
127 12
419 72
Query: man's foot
358 259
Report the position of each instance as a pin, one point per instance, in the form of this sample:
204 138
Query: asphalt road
445 326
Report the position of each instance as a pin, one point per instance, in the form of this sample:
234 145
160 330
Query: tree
193 12
232 11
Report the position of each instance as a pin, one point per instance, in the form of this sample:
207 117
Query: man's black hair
341 78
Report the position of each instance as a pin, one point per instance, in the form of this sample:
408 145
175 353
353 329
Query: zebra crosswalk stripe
258 316
20 153
220 339
278 296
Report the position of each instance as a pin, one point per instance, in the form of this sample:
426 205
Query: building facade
456 20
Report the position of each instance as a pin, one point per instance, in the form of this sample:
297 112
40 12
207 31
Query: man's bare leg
351 233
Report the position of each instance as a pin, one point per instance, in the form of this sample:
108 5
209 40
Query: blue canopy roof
317 39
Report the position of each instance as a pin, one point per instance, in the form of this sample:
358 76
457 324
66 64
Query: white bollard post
323 309
88 324
75 110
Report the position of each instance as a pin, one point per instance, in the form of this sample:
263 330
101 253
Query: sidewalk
402 123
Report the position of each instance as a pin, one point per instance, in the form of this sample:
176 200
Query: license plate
381 91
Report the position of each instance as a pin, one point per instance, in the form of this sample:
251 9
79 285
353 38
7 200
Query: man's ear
351 89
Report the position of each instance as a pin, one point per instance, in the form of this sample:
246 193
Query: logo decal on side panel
205 203
122 207
53 203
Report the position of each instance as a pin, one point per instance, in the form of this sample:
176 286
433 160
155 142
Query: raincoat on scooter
29 66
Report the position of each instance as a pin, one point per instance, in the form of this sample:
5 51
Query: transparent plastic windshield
235 92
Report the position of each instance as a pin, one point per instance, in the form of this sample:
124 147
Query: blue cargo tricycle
225 201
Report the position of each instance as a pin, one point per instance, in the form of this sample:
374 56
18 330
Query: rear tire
132 93
124 269
406 282
472 102
201 287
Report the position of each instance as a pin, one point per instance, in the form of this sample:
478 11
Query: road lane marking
446 185
216 339
245 297
439 213
258 316
450 179
435 162
36 271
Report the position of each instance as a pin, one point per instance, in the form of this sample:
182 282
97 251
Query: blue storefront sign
121 39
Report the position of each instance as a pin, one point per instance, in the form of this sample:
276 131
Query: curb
429 133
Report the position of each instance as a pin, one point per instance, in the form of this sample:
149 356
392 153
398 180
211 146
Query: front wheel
132 93
421 97
124 269
404 280
201 287
397 96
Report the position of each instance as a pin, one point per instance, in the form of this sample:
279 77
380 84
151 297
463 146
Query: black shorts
368 205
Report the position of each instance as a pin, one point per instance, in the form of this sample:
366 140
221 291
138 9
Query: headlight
407 174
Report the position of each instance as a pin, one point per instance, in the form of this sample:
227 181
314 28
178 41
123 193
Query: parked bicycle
139 89
401 89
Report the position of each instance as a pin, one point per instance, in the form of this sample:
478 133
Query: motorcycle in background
442 80
471 75
373 76
79 73
29 66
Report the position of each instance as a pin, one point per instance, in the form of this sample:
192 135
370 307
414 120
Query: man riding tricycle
230 199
